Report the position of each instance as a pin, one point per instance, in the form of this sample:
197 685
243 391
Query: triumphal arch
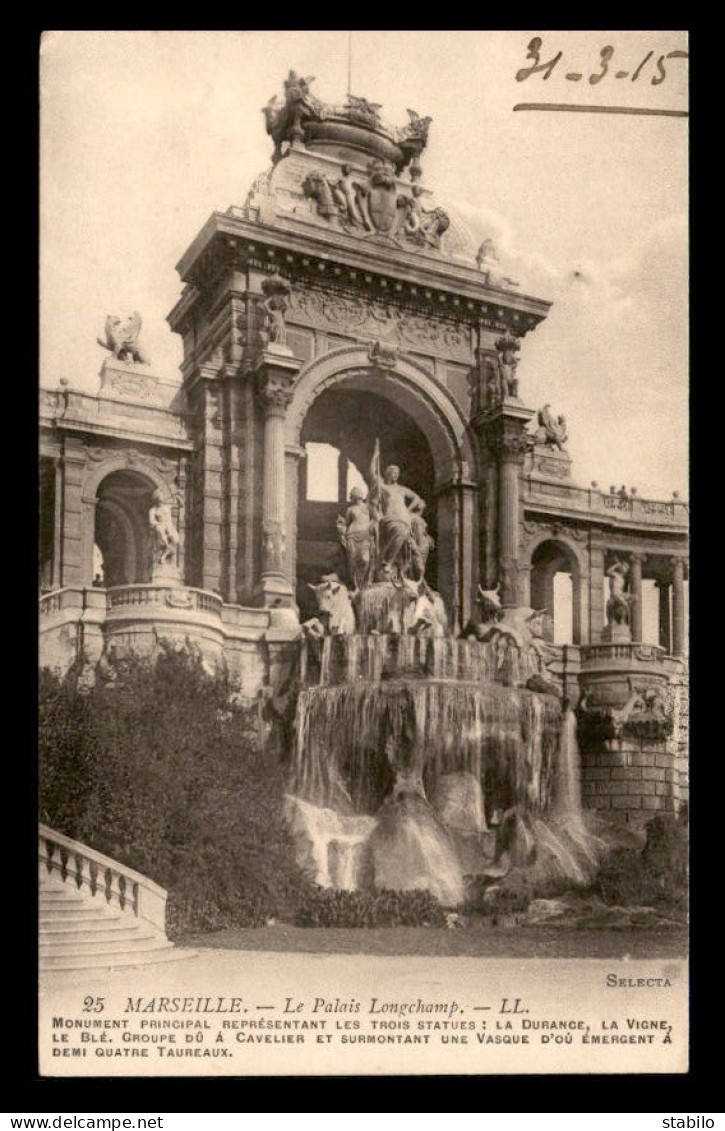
343 303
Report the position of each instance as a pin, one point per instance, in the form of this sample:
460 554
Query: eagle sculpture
122 338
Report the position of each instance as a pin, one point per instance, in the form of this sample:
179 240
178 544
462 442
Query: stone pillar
596 593
511 444
664 614
635 584
342 479
275 373
678 606
57 525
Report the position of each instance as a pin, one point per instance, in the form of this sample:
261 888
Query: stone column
663 585
635 584
57 525
275 374
596 593
511 446
678 606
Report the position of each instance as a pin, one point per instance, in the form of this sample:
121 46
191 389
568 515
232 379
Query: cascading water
409 748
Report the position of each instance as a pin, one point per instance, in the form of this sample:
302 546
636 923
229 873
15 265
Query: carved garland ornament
381 319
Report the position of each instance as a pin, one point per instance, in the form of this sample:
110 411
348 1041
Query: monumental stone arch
408 386
342 302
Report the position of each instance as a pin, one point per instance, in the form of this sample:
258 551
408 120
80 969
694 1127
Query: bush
158 771
654 877
328 907
502 898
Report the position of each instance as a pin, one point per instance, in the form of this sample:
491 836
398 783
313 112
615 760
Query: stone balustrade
80 623
60 600
105 880
155 597
630 510
635 653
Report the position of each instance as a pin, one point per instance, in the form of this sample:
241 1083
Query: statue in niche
276 291
552 429
122 339
619 600
358 531
507 349
164 533
403 542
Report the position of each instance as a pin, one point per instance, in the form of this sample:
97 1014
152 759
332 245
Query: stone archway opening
348 421
555 586
121 531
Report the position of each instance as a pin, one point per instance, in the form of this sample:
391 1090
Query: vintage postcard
363 553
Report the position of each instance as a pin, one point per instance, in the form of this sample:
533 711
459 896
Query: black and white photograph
363 553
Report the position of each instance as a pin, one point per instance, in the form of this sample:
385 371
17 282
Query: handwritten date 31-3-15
648 67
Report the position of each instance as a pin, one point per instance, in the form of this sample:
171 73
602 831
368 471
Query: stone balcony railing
100 878
668 514
153 598
627 654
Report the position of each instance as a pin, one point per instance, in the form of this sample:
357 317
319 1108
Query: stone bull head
333 600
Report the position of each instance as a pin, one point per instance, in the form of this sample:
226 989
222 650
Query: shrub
329 907
508 896
654 877
157 770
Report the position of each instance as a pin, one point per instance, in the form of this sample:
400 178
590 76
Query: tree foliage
156 769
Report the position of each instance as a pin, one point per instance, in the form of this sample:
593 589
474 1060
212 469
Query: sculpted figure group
385 536
373 204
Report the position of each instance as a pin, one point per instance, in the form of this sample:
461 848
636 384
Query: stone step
101 933
70 917
139 944
59 891
55 962
50 903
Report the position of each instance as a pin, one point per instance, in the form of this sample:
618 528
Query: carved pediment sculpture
373 204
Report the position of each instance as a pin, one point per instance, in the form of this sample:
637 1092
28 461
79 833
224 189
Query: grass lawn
477 938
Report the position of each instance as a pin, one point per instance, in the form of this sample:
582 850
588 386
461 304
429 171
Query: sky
144 134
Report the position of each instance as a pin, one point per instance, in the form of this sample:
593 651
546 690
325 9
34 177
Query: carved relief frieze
131 457
129 385
48 400
552 467
357 315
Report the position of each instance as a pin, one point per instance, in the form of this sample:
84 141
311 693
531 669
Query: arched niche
445 447
553 558
116 497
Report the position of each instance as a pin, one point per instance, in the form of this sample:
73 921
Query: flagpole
349 63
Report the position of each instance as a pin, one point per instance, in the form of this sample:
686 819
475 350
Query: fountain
421 760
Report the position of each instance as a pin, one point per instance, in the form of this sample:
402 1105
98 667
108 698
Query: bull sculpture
335 605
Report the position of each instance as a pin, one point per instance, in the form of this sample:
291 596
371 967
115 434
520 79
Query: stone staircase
95 913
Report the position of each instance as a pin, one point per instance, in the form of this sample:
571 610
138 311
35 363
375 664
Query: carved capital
511 448
274 391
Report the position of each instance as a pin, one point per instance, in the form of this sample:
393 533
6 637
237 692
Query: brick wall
631 779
